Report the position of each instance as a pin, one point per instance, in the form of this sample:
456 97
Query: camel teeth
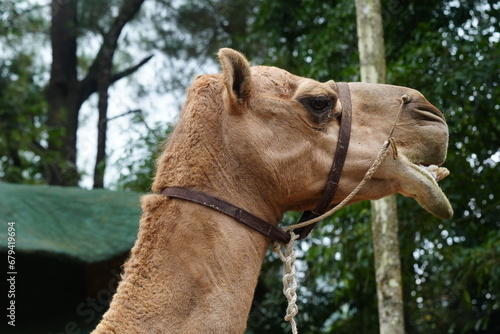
438 173
442 173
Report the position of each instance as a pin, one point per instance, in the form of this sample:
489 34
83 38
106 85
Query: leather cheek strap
332 183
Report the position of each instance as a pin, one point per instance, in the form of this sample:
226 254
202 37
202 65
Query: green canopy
88 225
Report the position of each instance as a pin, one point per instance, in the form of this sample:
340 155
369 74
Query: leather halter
338 161
257 223
229 209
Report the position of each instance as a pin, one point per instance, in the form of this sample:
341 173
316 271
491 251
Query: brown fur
244 136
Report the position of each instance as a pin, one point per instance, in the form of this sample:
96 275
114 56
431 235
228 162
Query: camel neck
191 270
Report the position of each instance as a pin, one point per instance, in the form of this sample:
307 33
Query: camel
262 139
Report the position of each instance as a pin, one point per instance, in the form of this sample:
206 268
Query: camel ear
236 74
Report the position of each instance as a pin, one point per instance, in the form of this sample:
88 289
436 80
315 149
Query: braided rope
289 282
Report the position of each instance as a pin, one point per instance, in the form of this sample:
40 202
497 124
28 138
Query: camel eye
319 108
320 103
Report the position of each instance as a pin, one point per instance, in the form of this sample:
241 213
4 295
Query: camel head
278 134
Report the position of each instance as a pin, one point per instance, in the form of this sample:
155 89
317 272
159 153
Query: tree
383 211
66 93
77 72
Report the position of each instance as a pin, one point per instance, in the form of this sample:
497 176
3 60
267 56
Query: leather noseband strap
259 224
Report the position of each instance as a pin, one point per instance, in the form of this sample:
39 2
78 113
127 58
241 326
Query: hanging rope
289 282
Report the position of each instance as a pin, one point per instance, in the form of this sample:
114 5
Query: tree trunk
387 265
105 62
102 106
102 128
62 96
383 211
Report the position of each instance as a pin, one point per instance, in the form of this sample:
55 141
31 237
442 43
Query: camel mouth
420 181
438 173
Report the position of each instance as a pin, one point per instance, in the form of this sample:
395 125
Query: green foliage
309 38
22 114
22 100
95 16
219 22
137 174
456 65
19 18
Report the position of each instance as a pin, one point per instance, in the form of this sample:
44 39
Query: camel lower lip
420 182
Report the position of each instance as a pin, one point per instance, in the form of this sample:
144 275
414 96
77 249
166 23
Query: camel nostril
426 111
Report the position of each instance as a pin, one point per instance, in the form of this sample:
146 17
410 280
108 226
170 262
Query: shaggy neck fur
192 270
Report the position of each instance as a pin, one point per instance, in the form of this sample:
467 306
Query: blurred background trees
446 49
